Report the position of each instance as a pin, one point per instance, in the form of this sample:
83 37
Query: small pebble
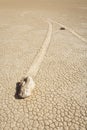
62 28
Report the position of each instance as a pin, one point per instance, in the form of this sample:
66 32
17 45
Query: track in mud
55 103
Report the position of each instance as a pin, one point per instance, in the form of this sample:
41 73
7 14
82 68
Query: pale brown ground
59 101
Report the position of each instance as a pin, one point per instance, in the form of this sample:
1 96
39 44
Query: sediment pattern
59 101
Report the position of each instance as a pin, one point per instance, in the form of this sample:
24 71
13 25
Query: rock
26 86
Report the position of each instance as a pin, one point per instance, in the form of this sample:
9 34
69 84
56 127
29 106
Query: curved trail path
29 85
70 30
40 56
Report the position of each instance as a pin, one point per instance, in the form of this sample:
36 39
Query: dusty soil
59 101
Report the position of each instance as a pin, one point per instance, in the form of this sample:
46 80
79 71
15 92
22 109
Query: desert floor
59 100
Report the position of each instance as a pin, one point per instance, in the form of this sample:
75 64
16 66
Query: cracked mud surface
59 101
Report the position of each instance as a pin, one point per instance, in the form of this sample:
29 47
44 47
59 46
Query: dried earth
59 100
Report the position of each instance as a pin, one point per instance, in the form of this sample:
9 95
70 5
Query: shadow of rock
18 90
